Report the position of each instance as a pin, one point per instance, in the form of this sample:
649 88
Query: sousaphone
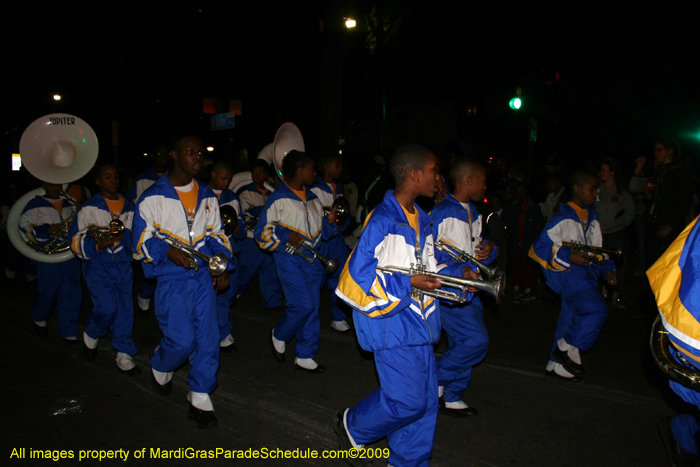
242 179
56 148
288 138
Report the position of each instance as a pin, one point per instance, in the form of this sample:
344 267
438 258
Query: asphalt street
525 418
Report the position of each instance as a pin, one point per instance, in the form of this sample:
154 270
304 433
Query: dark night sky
626 72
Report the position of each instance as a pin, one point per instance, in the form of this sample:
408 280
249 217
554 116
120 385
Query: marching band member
44 220
107 269
177 206
674 280
327 189
398 326
221 174
252 260
574 276
457 222
293 216
141 183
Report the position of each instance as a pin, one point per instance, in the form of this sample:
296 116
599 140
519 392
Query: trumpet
462 256
330 264
218 264
58 242
114 229
594 254
493 287
342 210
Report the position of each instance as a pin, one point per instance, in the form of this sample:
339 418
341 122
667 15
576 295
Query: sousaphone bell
56 148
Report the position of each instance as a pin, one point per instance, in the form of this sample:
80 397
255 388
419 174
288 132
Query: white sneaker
340 326
144 303
30 278
10 274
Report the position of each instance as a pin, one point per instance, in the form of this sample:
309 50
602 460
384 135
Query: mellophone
218 264
493 286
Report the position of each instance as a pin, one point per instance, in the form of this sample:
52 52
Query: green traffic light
515 103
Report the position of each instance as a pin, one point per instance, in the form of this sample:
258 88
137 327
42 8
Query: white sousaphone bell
56 148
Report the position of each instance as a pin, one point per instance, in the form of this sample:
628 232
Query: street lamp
350 23
57 97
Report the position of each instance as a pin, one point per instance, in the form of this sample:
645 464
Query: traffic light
515 103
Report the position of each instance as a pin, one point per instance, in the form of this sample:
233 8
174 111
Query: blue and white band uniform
674 280
108 273
58 284
460 225
226 298
335 247
252 260
185 298
399 328
301 282
583 311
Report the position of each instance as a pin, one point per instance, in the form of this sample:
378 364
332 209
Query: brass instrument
58 242
342 209
493 287
462 256
330 264
659 343
114 229
251 222
229 217
218 264
56 148
594 254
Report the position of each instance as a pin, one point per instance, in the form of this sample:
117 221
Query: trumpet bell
288 138
218 264
58 148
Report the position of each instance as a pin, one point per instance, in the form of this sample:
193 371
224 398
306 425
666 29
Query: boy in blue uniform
221 174
144 180
393 320
253 261
293 216
574 276
179 207
457 223
59 283
107 269
328 189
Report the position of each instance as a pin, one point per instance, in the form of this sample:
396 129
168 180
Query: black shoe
90 354
278 356
318 369
143 313
41 330
135 371
204 418
459 413
70 342
229 348
163 389
568 364
676 457
344 439
575 379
